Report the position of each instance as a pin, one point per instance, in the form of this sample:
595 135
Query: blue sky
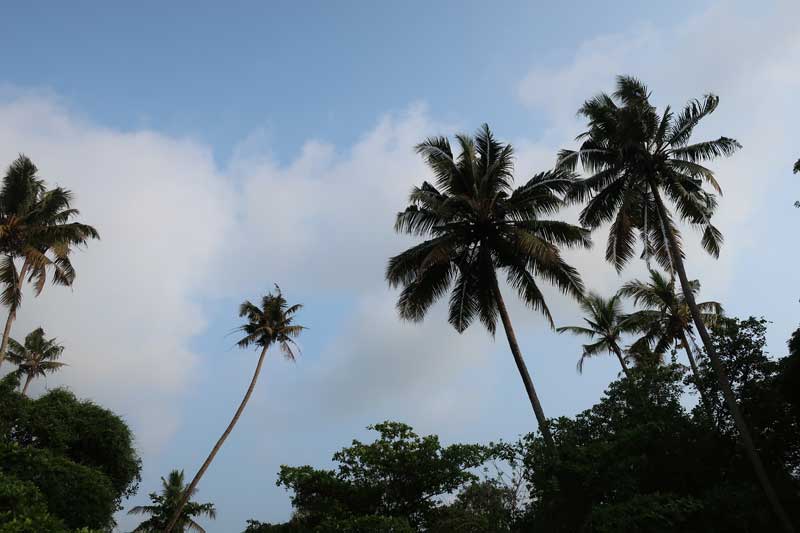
220 149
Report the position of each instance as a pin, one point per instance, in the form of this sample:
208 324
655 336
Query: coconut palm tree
665 319
475 224
36 232
270 324
606 325
164 505
635 157
37 357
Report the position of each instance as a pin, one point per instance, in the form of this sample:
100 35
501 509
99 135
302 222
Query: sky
220 149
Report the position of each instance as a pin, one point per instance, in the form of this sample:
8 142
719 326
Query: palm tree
606 325
477 224
633 155
796 170
270 324
36 358
164 505
665 318
35 229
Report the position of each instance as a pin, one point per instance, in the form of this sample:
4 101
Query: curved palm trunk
622 362
696 374
27 382
12 314
523 370
190 489
725 386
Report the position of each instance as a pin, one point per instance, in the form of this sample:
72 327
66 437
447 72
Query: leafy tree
36 228
634 155
164 504
481 507
79 495
664 317
395 483
606 325
268 325
37 357
23 509
476 223
638 461
79 456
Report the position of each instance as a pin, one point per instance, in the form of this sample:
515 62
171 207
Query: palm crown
476 223
606 326
270 324
35 225
37 357
172 490
631 152
664 318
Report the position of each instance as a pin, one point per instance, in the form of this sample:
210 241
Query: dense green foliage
78 456
637 461
395 483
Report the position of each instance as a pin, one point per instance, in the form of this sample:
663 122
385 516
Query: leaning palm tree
164 505
36 232
476 223
665 320
634 157
37 357
606 325
270 324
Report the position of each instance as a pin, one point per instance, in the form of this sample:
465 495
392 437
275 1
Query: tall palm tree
35 231
270 324
476 223
665 319
164 505
37 357
633 156
606 325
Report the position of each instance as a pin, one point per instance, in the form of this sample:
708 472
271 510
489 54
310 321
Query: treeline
637 461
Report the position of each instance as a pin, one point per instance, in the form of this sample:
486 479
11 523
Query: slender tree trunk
27 382
622 362
523 370
193 485
696 373
12 314
744 432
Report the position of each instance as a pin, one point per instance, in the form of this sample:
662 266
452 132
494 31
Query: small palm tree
476 223
606 325
270 324
638 160
37 357
665 319
36 229
164 505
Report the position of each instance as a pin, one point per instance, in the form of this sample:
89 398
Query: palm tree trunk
744 432
27 382
622 362
12 314
193 485
696 374
523 370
